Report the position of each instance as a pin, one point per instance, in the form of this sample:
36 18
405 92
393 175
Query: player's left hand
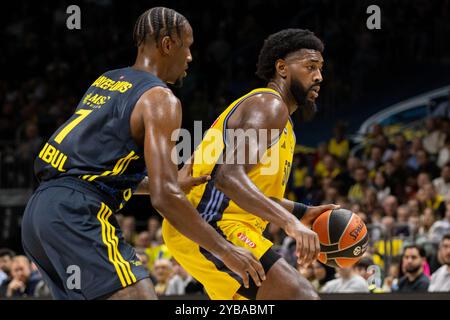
313 212
185 179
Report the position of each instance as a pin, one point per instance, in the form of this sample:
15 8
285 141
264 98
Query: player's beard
307 107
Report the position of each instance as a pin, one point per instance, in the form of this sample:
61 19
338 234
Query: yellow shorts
220 282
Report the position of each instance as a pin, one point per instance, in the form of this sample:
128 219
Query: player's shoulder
265 95
268 105
158 104
159 95
135 76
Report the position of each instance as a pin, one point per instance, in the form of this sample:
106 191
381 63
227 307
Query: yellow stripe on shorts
110 240
125 264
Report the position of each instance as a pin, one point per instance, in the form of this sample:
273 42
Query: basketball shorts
220 283
69 231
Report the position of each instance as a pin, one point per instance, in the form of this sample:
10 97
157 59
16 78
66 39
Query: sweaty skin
156 115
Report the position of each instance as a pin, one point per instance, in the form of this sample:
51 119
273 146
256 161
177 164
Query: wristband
299 210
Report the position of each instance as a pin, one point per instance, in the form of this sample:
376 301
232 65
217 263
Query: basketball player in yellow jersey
242 197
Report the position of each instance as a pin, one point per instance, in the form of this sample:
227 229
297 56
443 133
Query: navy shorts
69 231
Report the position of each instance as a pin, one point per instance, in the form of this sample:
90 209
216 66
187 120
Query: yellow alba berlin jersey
237 226
270 175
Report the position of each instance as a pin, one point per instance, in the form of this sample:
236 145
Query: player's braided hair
158 22
280 44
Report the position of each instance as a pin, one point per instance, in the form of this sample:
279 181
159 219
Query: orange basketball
343 237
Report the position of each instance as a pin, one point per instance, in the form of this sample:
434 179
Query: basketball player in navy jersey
120 132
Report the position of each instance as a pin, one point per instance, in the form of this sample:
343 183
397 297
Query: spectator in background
423 179
415 234
442 184
370 201
331 195
375 131
22 283
402 218
440 227
396 176
322 274
6 256
162 272
345 180
153 224
403 213
433 200
390 282
309 194
158 251
321 152
143 240
327 168
349 281
425 165
414 279
358 190
388 150
444 153
128 226
299 173
390 206
440 280
434 140
399 176
388 223
426 221
400 144
381 186
445 129
375 160
416 145
414 206
181 282
339 145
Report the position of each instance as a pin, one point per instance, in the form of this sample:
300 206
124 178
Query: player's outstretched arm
156 115
232 178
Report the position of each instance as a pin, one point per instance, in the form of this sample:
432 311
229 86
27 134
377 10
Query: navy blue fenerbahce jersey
95 143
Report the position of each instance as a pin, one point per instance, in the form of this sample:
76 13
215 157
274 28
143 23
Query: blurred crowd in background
400 186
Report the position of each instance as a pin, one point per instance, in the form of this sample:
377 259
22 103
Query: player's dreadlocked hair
155 20
280 44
